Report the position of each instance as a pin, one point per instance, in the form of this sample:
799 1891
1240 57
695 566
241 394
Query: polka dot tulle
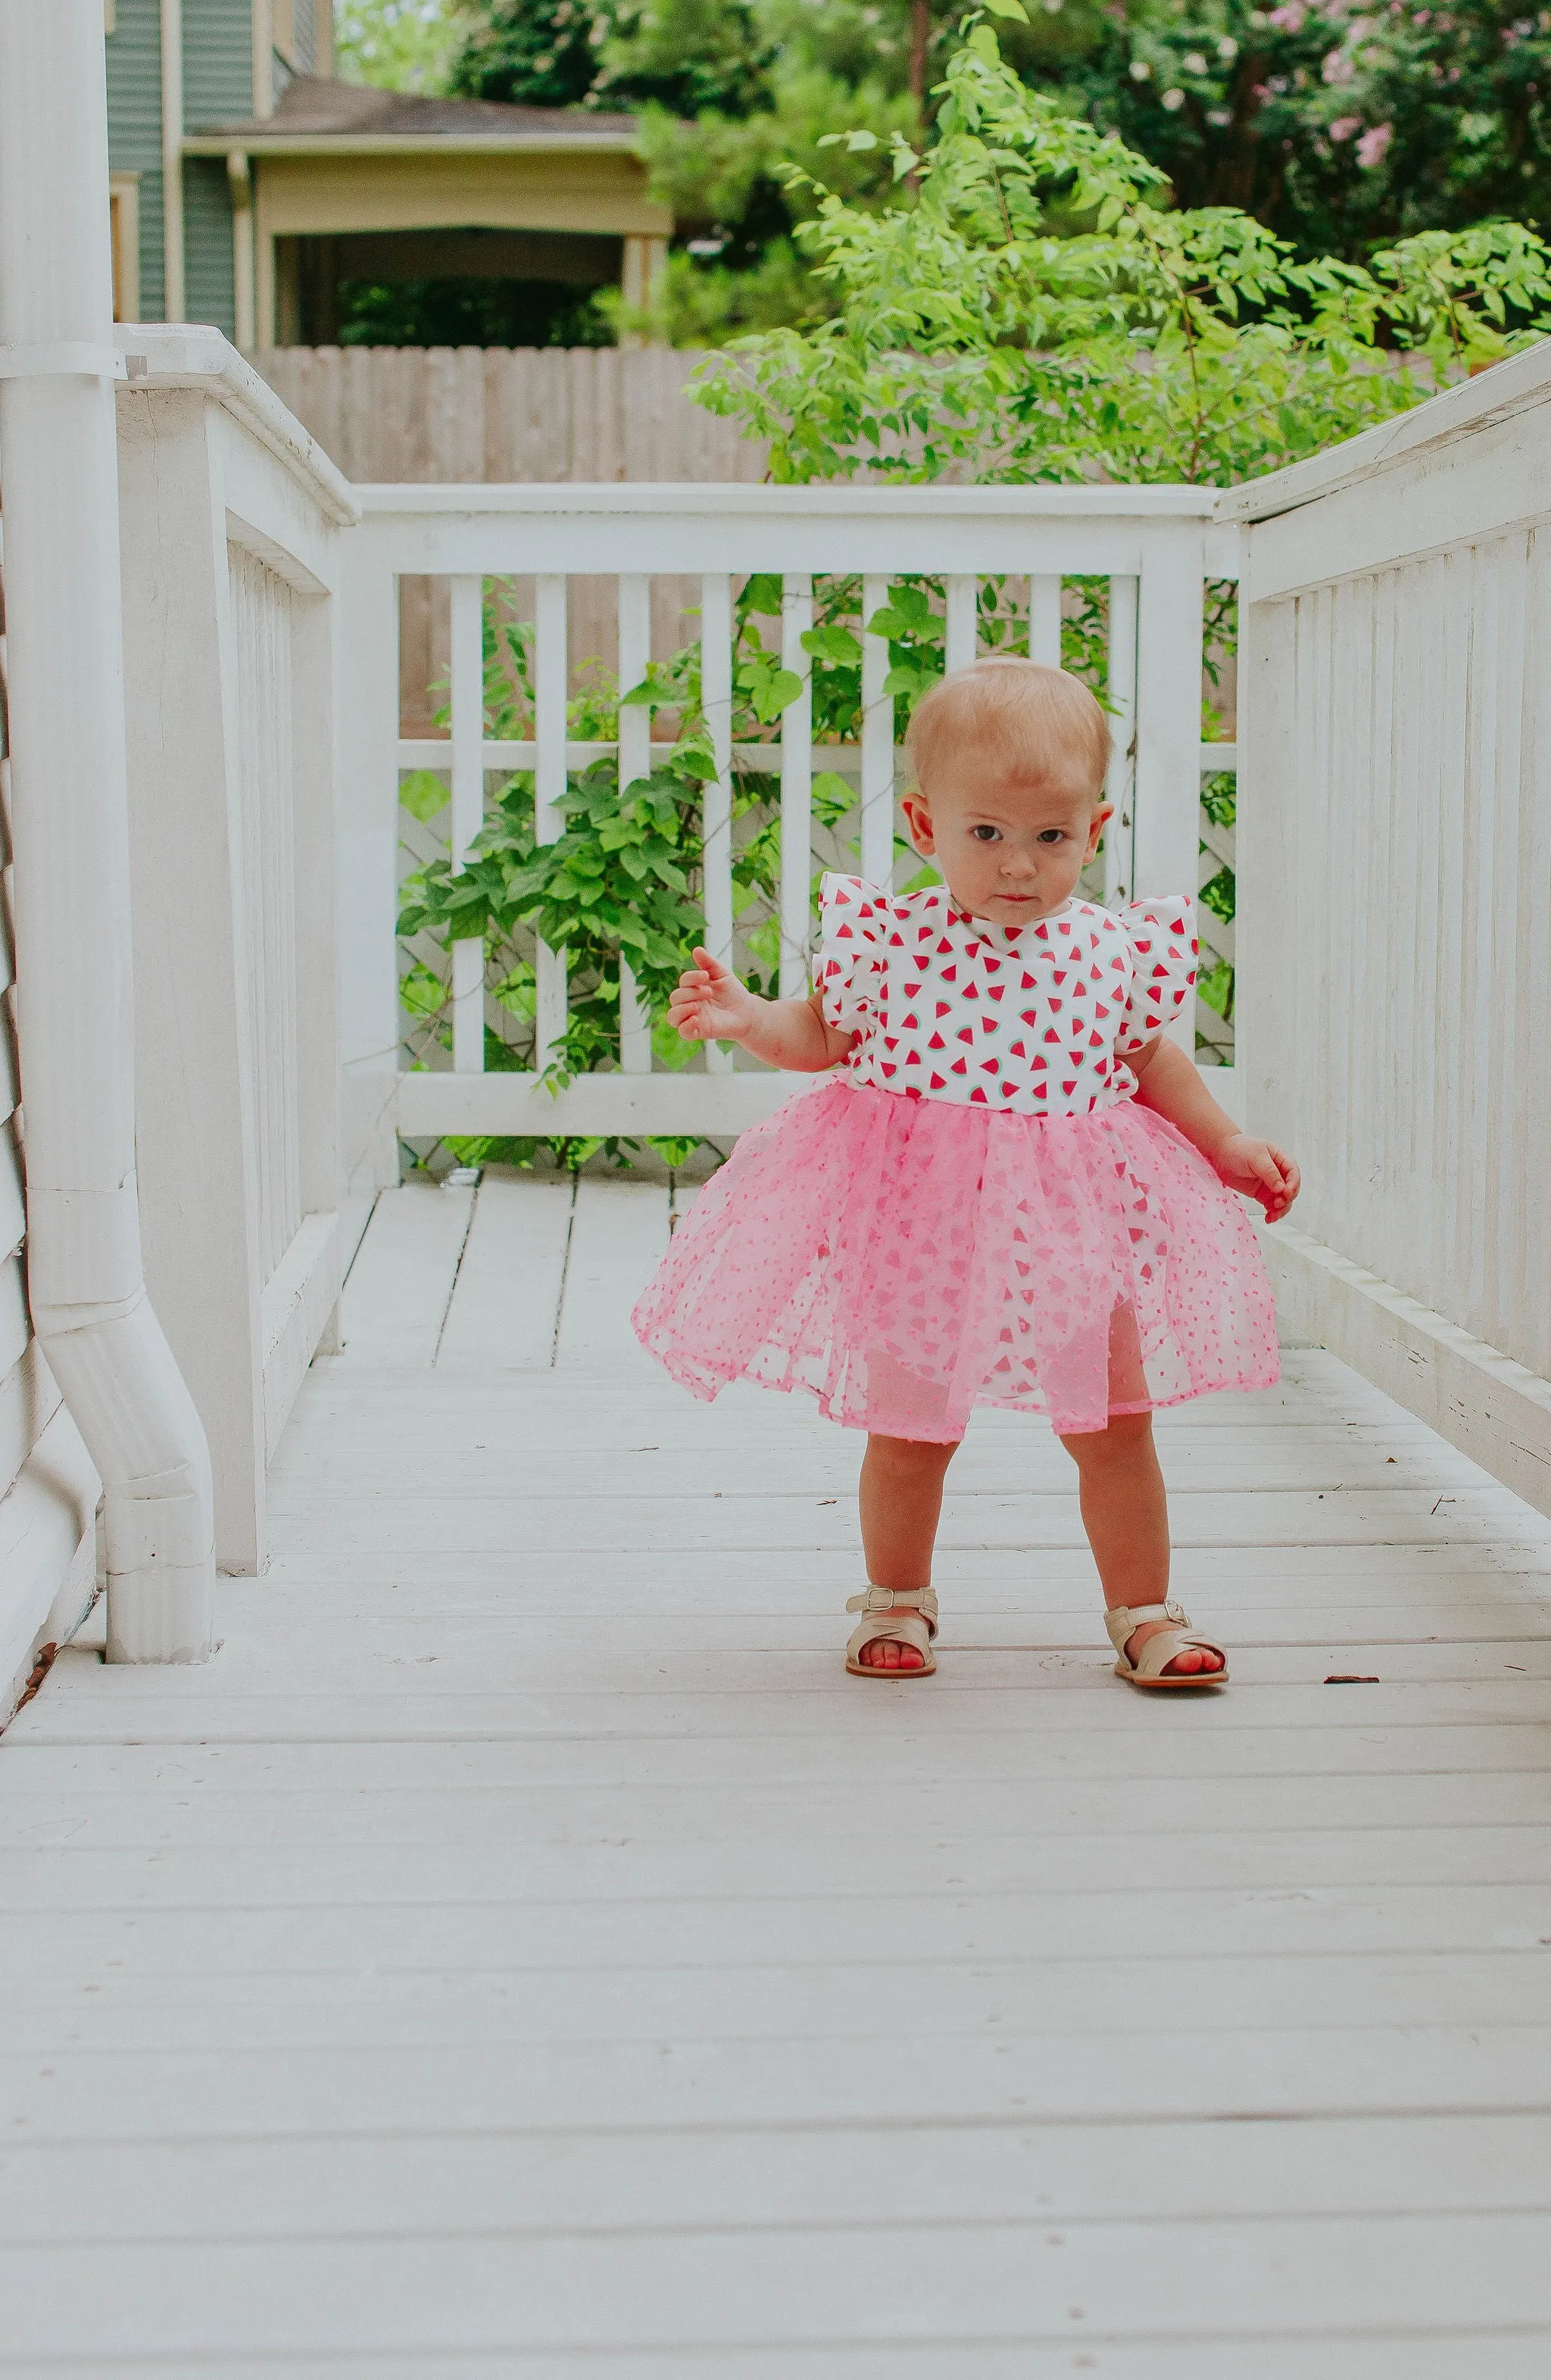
905 1260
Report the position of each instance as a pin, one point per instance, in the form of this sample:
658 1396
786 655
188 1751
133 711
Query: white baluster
635 762
550 682
797 786
468 810
961 624
1167 807
1045 621
1120 786
877 744
716 697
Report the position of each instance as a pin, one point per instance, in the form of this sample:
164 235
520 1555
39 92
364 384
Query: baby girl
1013 1190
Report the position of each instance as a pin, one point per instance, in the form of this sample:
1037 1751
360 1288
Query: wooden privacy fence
1395 896
467 414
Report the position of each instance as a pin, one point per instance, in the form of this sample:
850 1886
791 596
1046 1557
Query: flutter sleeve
1162 937
848 966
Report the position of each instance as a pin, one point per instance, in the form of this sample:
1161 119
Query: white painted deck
524 1951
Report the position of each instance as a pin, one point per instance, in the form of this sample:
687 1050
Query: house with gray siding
247 183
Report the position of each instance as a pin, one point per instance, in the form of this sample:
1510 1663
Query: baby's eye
986 833
1052 834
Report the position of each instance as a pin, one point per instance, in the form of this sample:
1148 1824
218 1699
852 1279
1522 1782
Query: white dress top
1034 1019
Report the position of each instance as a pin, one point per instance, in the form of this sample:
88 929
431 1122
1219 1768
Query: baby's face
1010 846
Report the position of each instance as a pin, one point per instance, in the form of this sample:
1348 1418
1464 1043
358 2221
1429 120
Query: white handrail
69 816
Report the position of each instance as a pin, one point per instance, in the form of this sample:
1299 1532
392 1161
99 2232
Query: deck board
478 1968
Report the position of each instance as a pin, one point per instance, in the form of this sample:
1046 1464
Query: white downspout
70 818
174 303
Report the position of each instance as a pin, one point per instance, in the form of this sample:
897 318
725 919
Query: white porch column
70 833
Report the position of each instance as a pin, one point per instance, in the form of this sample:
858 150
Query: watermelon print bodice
1034 1019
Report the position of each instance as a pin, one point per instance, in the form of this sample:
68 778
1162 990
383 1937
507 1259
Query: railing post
877 744
469 809
797 786
1119 788
1045 620
549 686
634 762
959 592
716 698
1167 805
370 1034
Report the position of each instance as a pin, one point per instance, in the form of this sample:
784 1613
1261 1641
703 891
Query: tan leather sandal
904 1615
1148 1668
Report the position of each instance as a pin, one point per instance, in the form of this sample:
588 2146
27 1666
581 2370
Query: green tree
1337 126
528 53
394 45
1034 309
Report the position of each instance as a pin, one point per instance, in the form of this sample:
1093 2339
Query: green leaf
423 992
831 643
1013 8
422 793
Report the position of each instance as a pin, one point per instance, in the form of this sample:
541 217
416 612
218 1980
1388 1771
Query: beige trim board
1493 1409
302 195
123 203
430 145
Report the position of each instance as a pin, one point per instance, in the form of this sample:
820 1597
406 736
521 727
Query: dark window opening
460 288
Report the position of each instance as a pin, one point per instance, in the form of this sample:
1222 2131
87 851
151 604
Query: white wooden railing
1395 889
231 527
1392 855
1156 546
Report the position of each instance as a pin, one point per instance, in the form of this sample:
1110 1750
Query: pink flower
1288 17
1344 127
1337 68
1374 144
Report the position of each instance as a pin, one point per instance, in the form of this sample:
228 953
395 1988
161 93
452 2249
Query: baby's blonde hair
1014 712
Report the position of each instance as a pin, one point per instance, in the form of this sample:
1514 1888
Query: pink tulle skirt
905 1260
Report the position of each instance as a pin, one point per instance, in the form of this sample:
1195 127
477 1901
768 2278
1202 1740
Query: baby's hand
1262 1171
709 1003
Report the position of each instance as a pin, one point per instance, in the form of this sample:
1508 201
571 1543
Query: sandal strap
892 1628
1160 1650
1123 1619
896 1598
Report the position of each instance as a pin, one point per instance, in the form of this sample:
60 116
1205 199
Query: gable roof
314 112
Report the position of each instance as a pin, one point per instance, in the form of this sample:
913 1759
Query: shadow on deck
522 1950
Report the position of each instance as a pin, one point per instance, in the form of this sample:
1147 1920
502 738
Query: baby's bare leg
901 1500
1125 1512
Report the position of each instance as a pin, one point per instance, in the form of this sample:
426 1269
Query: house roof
315 116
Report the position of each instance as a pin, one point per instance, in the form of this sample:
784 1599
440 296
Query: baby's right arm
710 1004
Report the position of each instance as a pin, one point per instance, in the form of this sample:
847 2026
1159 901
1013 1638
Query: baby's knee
910 1458
1127 1437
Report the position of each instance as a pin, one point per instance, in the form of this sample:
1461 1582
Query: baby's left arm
1173 1087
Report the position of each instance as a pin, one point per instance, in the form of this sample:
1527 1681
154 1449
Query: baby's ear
918 820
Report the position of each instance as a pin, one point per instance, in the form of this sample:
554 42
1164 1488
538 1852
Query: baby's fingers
685 1015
